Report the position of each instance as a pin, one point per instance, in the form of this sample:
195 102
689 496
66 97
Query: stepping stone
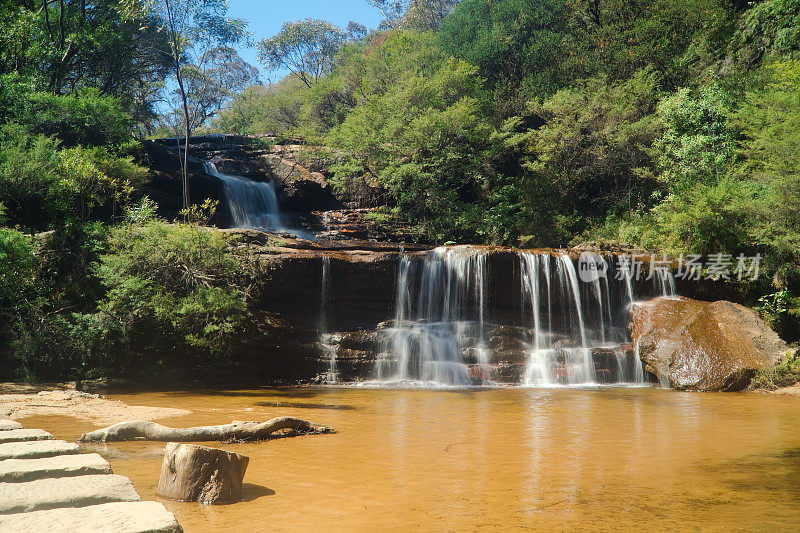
134 517
36 449
20 435
79 491
6 425
19 470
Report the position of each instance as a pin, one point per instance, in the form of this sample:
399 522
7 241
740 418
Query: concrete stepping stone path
125 517
22 435
17 470
35 449
47 485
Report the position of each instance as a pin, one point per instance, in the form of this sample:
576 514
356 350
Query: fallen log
235 431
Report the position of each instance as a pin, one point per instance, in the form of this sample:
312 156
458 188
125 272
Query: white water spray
253 204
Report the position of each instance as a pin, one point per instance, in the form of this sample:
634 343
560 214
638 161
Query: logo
591 267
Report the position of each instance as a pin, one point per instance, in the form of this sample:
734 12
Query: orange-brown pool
454 460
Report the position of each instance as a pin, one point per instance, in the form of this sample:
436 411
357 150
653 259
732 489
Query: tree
64 46
422 15
306 48
218 76
518 44
419 131
190 24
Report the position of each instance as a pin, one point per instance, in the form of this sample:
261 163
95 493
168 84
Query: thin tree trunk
176 55
186 198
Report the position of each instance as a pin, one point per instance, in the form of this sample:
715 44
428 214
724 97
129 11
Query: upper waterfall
253 204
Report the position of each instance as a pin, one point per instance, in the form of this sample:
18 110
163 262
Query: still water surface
455 460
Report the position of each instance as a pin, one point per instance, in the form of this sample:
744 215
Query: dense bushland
668 124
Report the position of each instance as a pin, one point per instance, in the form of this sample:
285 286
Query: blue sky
265 18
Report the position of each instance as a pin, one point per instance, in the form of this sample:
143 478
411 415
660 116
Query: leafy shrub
84 118
783 375
170 288
697 145
43 185
419 131
18 266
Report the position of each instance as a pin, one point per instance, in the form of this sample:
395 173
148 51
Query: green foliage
86 118
42 184
420 15
512 41
170 287
83 118
61 47
17 274
697 145
306 47
141 213
45 344
419 130
590 159
258 109
769 119
771 28
783 375
200 214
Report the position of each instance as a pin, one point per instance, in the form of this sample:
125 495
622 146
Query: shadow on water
299 405
272 393
251 492
748 474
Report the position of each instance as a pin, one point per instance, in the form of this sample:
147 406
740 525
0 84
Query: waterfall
253 204
573 328
571 361
589 324
329 350
436 322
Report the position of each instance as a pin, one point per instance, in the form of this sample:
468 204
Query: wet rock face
703 346
301 187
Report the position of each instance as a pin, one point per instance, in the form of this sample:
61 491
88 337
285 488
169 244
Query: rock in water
201 474
704 346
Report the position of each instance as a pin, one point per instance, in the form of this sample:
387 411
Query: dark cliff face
164 186
349 305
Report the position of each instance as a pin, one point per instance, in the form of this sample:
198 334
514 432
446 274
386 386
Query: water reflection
602 459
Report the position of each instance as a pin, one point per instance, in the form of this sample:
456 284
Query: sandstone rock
36 449
7 425
21 435
119 517
79 491
705 346
20 470
202 474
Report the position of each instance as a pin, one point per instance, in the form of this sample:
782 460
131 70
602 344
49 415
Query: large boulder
704 346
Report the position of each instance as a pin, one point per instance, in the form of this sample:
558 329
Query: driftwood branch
235 431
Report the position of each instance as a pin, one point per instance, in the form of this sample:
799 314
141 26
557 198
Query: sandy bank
21 403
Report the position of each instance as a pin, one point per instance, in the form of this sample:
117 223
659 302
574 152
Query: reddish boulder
704 346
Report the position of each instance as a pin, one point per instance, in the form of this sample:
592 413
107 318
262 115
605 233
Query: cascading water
329 350
439 317
566 354
253 204
574 325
